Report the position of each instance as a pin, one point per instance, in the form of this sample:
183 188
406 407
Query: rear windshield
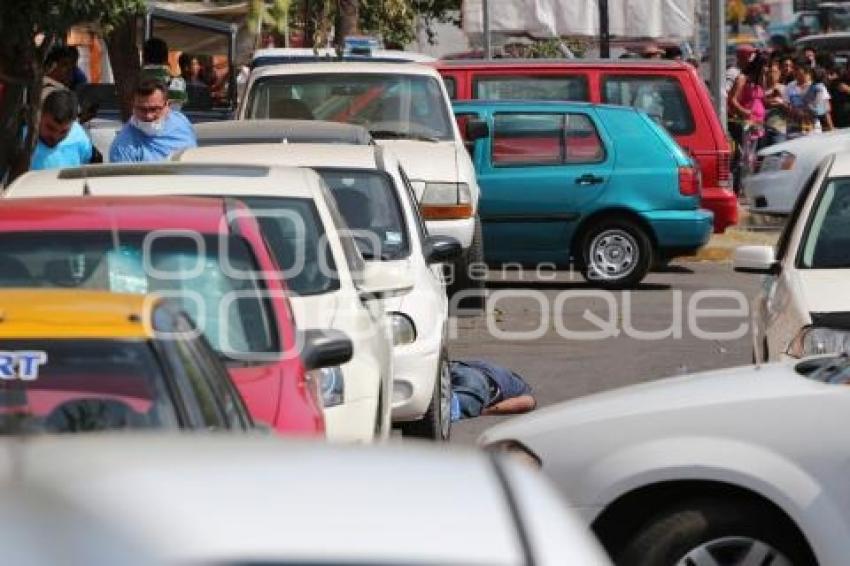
369 204
212 279
660 97
58 386
531 88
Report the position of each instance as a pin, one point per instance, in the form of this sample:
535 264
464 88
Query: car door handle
589 179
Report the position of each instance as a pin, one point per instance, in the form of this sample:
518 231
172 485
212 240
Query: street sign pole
604 33
485 6
717 56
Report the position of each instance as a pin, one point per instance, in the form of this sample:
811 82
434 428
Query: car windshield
69 385
826 244
370 206
212 279
298 242
389 106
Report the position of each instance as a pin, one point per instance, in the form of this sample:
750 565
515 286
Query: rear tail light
689 181
724 172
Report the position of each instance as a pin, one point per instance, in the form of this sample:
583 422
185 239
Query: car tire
616 254
720 532
436 423
462 279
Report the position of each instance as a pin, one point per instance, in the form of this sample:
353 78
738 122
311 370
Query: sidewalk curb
721 247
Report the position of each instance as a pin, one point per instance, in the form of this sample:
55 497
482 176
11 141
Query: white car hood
823 290
426 161
734 386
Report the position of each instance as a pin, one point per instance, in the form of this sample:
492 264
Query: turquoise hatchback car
600 187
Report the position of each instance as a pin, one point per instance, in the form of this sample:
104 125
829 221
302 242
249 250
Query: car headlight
781 161
445 201
818 340
404 331
517 451
331 385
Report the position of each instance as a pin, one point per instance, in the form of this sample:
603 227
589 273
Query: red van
670 91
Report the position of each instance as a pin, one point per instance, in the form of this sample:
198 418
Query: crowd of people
156 129
775 96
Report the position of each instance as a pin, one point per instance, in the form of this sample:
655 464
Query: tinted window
369 204
660 97
226 301
389 106
826 244
451 87
545 139
563 87
298 242
81 386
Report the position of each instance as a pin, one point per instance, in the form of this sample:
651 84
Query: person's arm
734 97
512 406
119 152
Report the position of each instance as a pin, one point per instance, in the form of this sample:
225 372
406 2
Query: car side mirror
477 129
325 348
441 249
755 259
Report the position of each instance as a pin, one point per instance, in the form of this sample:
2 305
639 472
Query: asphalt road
559 366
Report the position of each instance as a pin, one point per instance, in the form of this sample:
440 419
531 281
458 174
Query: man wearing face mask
154 131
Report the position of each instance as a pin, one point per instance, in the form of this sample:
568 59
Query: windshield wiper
395 135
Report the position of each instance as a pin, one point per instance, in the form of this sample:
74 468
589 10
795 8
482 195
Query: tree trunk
123 49
348 15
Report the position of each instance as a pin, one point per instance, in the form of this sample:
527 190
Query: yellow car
76 361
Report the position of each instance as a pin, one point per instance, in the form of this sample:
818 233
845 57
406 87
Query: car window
369 204
349 248
190 374
69 385
544 139
214 280
785 237
421 227
231 404
451 87
298 242
389 106
826 243
660 97
520 87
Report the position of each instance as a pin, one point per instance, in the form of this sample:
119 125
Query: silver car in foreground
261 500
736 467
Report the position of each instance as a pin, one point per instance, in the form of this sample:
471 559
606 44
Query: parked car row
300 274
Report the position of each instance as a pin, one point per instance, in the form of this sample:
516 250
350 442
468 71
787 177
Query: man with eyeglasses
154 131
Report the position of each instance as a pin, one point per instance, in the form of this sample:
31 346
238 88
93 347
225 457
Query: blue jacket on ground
132 145
73 151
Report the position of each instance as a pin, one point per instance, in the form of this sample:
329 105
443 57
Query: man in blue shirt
62 142
483 388
154 131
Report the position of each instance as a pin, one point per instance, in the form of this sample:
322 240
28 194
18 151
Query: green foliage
274 15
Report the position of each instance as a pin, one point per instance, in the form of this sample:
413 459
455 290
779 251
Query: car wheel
463 279
436 423
713 532
616 254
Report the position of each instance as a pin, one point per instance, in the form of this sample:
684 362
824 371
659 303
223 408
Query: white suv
804 307
405 106
374 197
